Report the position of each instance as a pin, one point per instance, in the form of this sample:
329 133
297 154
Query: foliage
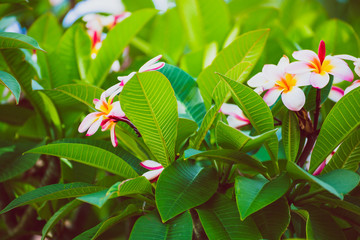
221 140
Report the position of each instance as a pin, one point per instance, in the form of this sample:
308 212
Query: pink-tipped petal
106 124
112 89
319 80
95 101
88 121
354 85
271 96
320 168
321 51
151 175
113 135
305 55
151 165
336 94
298 68
230 109
153 67
357 68
95 126
294 100
236 122
340 69
148 64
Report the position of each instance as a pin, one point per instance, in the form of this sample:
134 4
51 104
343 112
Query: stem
308 147
317 109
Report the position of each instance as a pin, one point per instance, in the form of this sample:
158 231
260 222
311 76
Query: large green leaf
273 219
17 40
297 172
253 194
150 227
186 91
246 48
10 82
184 185
96 231
106 145
341 179
290 135
347 156
221 220
15 114
229 137
13 162
89 155
52 192
256 110
340 122
61 213
186 128
46 31
116 40
149 102
229 156
320 225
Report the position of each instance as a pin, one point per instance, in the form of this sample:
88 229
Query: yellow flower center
286 84
323 68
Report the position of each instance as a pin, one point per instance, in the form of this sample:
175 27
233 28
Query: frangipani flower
337 93
155 170
236 117
319 66
150 65
109 113
351 58
278 82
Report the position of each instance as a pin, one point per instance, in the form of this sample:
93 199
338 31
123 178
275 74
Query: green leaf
246 48
150 227
17 40
89 155
46 31
256 110
320 225
184 185
339 36
133 161
96 231
13 162
10 82
347 156
186 128
61 213
186 91
253 194
229 137
291 135
115 42
341 179
220 219
149 102
297 172
52 192
229 156
340 122
15 114
273 220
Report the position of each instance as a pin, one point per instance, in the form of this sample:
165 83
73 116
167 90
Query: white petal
346 57
237 123
151 175
340 69
283 63
271 96
354 85
88 121
298 68
294 100
230 109
95 126
113 135
272 72
306 56
112 89
116 110
302 79
148 64
319 80
258 80
151 165
336 94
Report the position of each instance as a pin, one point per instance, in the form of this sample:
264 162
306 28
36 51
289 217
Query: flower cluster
286 79
110 112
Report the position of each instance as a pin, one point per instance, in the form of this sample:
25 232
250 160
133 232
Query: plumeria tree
219 120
